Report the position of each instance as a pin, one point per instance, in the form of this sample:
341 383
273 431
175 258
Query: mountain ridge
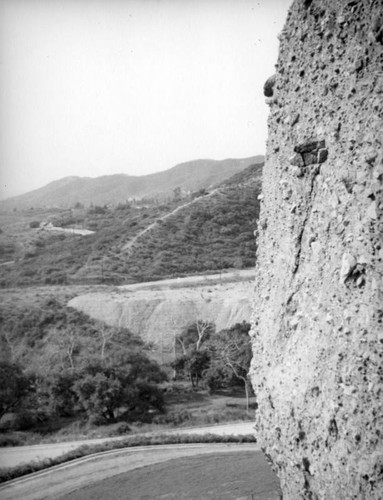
118 188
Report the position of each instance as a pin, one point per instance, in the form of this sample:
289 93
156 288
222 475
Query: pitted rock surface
318 309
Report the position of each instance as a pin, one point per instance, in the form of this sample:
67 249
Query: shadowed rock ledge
318 308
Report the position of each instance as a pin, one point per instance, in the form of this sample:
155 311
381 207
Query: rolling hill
114 189
130 244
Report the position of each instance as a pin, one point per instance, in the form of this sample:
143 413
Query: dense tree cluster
61 364
75 367
218 358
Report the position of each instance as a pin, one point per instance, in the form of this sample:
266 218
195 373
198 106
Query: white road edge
17 455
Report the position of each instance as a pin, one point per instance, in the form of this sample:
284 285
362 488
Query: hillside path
130 243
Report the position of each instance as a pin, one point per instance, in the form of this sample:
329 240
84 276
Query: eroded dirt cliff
160 313
317 325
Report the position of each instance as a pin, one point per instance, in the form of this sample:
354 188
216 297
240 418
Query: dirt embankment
159 311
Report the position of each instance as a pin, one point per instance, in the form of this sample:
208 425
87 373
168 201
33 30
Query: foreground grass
6 474
229 475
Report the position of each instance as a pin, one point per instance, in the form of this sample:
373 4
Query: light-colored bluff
318 309
159 312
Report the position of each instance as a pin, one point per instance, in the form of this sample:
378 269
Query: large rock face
318 311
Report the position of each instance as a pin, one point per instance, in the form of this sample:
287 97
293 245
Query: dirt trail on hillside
128 246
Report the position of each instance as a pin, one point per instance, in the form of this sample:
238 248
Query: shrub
174 418
11 439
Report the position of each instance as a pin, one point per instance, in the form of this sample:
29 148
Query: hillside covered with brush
205 231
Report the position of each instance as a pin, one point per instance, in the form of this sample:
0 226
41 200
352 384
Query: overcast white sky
96 87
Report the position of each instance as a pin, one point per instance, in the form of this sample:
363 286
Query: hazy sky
96 87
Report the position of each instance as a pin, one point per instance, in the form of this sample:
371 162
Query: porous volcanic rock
317 326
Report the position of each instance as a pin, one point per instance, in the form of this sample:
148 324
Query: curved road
12 456
64 480
87 476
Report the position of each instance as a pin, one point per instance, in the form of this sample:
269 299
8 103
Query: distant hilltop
119 188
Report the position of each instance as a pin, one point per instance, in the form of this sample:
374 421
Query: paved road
192 281
11 456
64 479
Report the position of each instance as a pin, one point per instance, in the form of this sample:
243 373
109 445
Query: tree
65 344
193 336
61 396
177 193
100 393
197 365
78 365
231 356
99 371
127 381
192 357
15 386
